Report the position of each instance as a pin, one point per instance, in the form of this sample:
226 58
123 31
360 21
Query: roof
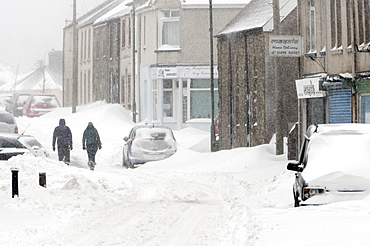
215 3
121 9
257 14
35 81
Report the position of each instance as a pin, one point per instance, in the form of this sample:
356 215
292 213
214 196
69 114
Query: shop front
179 97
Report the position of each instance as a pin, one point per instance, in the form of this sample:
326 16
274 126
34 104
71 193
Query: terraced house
151 56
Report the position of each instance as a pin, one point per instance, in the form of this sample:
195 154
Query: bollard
14 182
42 179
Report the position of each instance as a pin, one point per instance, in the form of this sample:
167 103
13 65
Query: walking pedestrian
91 143
63 137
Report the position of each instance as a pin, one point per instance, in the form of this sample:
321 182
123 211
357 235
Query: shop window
315 111
200 98
365 109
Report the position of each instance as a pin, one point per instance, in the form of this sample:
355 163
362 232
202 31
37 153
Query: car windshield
22 99
7 118
30 142
346 152
11 143
153 133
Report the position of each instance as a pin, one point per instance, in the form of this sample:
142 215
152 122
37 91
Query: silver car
333 164
7 122
18 144
148 143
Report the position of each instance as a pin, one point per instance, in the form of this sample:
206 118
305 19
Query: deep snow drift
235 197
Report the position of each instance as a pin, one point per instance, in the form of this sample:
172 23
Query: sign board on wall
308 88
193 72
164 73
285 46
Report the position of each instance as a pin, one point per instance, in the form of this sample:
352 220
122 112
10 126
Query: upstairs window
169 28
312 30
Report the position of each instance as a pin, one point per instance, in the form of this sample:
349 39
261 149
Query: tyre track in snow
163 209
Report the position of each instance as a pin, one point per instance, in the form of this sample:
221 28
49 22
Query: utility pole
75 61
213 137
133 62
278 86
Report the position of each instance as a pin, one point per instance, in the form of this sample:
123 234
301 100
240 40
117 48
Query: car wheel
124 162
130 164
296 200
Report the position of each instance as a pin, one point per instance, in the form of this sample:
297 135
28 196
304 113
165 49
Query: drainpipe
355 115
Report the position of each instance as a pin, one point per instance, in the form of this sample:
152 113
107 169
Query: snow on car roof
339 148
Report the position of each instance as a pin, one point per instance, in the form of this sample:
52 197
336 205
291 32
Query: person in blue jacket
91 143
63 137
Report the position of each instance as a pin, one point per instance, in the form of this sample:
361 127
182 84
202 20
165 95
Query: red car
40 104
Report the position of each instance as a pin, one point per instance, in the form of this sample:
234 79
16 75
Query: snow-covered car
18 144
40 104
16 103
333 165
148 143
8 123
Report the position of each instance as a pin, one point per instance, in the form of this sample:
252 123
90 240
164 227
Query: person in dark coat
91 143
63 137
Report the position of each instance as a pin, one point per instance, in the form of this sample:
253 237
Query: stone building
247 76
337 58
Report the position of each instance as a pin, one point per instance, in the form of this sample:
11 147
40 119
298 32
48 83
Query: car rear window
7 118
154 133
46 99
7 144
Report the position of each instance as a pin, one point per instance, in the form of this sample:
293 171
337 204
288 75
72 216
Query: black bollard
14 182
42 179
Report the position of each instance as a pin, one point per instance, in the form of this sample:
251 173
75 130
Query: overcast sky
29 29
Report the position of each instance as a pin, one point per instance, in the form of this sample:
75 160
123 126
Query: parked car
18 144
4 100
16 103
7 122
333 165
40 104
148 143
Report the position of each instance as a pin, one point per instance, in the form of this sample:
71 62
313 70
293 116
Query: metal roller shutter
340 108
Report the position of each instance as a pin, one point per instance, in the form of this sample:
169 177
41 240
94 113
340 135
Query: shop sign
285 46
164 73
199 72
308 88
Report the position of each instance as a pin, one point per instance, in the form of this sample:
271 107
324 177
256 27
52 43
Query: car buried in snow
333 165
19 144
148 143
39 104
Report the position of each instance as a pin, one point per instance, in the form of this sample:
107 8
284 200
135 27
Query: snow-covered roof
34 81
120 10
215 3
258 14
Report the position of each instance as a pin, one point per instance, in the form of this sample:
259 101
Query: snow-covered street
234 197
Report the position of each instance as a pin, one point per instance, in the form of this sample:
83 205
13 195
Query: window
200 98
89 46
167 98
336 24
169 28
312 29
123 33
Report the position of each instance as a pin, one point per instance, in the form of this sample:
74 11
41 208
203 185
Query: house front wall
85 65
176 100
337 38
67 66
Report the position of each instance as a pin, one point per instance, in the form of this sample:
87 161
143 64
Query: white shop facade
178 96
